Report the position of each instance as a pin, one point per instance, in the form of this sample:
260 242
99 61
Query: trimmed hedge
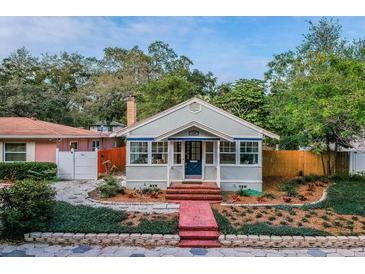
26 206
28 170
85 219
264 229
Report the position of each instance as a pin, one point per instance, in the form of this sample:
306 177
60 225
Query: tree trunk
329 158
335 160
323 165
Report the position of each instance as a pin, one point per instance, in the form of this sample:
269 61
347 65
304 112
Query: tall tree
245 99
318 91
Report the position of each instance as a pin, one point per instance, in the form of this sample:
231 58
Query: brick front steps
193 192
197 225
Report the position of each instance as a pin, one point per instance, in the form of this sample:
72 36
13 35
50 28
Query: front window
249 153
138 153
228 153
15 152
95 145
209 153
159 153
74 145
177 153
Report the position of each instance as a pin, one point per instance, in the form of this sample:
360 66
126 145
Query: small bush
305 220
110 188
312 178
28 170
272 218
241 192
326 225
258 215
325 217
26 206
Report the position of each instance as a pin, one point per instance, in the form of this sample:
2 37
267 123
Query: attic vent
195 107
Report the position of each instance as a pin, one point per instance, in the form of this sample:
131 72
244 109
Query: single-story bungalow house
193 142
30 139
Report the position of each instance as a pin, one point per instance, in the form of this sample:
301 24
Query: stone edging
103 239
323 197
291 241
153 240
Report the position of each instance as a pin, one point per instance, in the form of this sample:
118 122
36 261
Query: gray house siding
183 116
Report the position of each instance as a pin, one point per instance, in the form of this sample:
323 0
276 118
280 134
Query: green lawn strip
225 227
84 219
345 196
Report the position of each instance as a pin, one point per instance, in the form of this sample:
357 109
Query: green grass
84 219
225 227
345 196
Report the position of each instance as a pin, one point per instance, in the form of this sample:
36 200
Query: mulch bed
272 185
135 218
320 219
131 196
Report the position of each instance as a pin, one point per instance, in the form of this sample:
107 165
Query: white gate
357 162
77 164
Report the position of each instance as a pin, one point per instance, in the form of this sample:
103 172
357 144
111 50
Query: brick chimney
131 110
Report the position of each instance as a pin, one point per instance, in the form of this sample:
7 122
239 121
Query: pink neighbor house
30 139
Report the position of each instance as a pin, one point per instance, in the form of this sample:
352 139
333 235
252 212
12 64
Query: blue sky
230 47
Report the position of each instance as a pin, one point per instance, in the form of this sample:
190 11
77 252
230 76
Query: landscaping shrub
28 170
264 229
110 188
242 192
85 219
26 206
154 192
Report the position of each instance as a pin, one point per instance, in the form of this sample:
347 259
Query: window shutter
30 152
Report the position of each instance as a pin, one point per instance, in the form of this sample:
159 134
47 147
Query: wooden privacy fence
115 158
290 163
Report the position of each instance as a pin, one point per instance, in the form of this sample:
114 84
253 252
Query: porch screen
177 153
159 153
138 153
228 153
249 153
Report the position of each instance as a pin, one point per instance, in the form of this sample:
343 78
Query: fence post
73 163
57 161
97 164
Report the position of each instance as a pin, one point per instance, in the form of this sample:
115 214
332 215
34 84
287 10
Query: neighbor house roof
125 130
104 123
22 127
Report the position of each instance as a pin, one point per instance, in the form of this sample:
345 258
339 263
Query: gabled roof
22 127
194 124
125 130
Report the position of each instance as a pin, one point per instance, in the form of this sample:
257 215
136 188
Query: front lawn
84 219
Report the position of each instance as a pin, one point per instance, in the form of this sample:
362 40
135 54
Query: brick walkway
44 250
197 225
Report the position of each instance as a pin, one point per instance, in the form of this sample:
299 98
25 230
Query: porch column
169 160
218 163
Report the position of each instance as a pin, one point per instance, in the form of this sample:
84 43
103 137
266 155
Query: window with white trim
159 153
209 153
138 154
15 152
228 152
249 153
74 145
95 144
177 153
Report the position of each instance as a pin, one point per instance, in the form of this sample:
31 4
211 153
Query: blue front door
193 158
